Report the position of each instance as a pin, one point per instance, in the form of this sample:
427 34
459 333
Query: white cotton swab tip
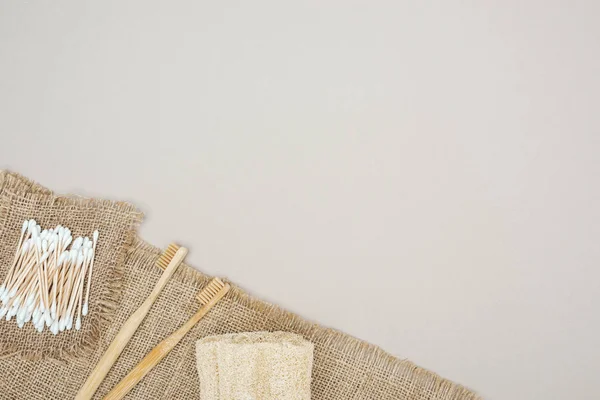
48 318
3 312
36 316
77 243
6 297
54 328
84 310
24 228
80 258
61 259
21 314
30 299
78 323
11 313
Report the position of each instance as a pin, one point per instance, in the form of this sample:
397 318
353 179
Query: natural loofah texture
254 365
21 199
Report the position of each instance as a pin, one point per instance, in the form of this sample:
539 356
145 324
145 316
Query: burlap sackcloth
21 199
344 368
254 365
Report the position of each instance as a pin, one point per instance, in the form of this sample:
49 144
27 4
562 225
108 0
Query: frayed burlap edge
327 337
16 185
20 184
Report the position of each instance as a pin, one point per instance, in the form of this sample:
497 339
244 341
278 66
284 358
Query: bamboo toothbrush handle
161 350
126 332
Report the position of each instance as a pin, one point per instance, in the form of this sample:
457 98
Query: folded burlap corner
22 199
254 365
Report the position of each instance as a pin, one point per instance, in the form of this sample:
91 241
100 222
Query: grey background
422 175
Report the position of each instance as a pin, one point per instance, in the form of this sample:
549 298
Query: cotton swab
89 279
46 282
89 256
67 290
75 288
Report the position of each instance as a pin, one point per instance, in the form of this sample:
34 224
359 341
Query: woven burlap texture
344 368
21 199
254 365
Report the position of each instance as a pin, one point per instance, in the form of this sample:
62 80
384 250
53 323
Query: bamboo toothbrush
208 297
168 261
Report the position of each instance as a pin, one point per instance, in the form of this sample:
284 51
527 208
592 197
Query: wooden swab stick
54 273
67 290
17 272
19 279
63 284
15 302
89 256
75 290
89 280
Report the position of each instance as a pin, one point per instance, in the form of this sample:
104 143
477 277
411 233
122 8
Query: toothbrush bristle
210 291
167 255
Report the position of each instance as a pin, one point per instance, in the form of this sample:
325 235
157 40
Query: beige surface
448 149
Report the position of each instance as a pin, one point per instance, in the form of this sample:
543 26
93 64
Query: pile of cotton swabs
46 281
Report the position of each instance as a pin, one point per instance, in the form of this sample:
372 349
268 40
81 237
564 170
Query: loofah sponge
254 366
